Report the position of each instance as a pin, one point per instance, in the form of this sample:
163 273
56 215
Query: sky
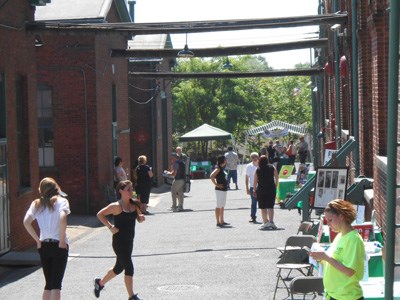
202 10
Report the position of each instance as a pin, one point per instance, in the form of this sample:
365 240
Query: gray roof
62 10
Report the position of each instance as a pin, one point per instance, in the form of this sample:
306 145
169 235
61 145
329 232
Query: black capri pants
123 249
54 261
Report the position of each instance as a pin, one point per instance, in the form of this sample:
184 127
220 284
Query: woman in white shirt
50 211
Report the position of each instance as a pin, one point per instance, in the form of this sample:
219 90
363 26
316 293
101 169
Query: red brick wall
81 72
372 34
17 57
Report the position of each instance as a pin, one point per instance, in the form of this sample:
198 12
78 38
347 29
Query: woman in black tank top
218 178
125 211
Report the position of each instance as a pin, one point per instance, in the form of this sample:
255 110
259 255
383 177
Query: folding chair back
305 240
305 228
306 285
294 258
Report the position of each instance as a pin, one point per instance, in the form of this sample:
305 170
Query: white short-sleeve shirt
250 171
49 220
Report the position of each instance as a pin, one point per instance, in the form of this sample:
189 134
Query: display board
330 184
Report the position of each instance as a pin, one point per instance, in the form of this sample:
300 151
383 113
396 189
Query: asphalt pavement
177 255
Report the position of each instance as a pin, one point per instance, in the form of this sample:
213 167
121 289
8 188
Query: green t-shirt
349 250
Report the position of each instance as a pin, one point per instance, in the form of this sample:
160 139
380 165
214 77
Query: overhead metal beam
222 51
228 74
188 26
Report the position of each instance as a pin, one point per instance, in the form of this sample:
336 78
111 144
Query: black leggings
54 261
123 249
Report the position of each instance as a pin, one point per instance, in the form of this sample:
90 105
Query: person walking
232 160
178 185
266 180
343 262
50 211
119 172
291 152
302 150
218 178
125 212
250 171
143 176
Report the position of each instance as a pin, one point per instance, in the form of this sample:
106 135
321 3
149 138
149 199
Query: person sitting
302 174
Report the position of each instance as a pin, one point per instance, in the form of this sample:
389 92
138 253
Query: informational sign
328 155
330 184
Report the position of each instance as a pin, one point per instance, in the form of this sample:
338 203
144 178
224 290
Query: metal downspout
315 130
337 86
392 145
356 124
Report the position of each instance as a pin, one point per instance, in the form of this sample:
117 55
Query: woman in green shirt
343 262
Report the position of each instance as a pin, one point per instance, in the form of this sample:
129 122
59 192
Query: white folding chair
294 260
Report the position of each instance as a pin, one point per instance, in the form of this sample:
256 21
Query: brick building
83 106
372 41
19 173
151 100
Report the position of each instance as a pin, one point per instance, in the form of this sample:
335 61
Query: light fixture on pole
227 64
185 52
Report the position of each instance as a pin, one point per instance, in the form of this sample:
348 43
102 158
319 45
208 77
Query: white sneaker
266 225
273 226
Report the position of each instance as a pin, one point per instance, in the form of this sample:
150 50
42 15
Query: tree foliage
236 105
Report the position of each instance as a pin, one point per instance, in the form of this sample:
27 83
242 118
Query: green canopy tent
205 133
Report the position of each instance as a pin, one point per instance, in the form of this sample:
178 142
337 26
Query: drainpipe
337 85
132 10
354 45
392 147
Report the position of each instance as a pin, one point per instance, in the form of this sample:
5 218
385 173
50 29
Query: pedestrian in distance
249 180
50 211
343 262
125 212
232 161
178 185
218 178
143 179
119 172
266 179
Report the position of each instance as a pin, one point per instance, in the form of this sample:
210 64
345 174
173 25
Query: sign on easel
330 184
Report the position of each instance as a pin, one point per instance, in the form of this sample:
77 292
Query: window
45 126
21 102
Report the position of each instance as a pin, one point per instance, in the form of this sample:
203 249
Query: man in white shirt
250 171
232 161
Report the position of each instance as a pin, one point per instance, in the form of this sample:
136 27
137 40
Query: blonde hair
142 159
48 189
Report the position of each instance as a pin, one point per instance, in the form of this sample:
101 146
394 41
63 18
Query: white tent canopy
277 129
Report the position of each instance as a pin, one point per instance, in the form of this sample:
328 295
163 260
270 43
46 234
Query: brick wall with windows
81 73
19 131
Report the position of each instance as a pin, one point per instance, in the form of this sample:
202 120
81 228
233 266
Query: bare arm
111 209
255 183
63 229
247 185
28 226
214 180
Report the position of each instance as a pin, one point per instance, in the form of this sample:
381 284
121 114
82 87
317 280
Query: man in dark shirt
178 185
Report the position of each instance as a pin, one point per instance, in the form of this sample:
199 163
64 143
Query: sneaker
237 187
173 209
97 287
253 220
273 226
135 297
179 208
266 225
